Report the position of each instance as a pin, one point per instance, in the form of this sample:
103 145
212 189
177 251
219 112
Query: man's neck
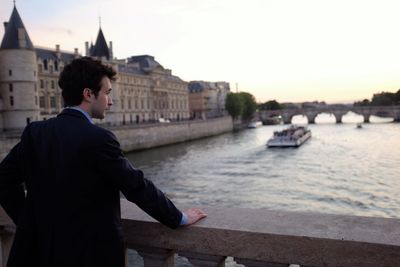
83 111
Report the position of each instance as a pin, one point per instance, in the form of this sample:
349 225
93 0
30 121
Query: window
35 87
36 102
10 72
52 84
41 84
11 101
40 68
52 101
10 87
45 64
51 69
129 104
122 103
41 102
56 65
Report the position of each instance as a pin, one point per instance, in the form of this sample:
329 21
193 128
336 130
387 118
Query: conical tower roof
100 49
16 36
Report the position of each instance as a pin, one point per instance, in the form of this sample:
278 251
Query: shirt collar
83 112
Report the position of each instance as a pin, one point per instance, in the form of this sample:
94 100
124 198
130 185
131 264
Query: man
73 173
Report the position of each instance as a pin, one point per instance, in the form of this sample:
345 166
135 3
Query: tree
270 105
249 105
234 105
397 97
365 102
382 99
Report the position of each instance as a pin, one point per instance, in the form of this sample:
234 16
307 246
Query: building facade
207 99
144 90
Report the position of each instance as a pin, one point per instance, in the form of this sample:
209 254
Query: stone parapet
257 237
271 238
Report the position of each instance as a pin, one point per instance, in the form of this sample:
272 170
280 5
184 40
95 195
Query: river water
340 170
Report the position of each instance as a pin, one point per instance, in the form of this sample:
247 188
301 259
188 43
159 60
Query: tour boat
294 136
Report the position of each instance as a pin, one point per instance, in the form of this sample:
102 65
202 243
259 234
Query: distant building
207 99
145 91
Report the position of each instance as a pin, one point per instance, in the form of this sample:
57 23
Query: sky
337 51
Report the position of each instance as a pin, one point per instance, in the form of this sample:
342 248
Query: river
340 170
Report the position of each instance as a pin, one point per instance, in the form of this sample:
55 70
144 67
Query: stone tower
18 76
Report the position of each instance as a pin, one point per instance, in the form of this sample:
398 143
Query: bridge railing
257 237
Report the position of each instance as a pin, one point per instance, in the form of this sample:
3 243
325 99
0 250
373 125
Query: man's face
103 101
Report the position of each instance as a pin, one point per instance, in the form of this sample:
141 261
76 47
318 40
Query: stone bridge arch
287 117
337 110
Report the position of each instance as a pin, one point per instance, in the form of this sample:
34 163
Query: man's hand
193 215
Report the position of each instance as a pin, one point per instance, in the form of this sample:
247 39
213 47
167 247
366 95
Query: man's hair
82 73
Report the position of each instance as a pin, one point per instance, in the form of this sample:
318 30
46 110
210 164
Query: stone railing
260 238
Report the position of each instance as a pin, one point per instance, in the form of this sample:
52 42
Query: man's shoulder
100 134
40 124
72 127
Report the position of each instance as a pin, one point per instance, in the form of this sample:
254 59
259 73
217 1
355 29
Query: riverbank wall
170 133
144 136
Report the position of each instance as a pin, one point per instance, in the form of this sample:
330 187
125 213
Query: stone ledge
309 239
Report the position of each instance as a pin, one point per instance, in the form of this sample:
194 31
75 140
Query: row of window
158 104
52 84
10 73
42 102
127 79
49 67
130 80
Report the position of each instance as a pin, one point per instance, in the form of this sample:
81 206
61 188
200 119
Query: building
207 99
144 92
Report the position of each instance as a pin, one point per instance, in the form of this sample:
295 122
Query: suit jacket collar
73 113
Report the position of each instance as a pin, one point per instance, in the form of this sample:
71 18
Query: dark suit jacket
73 172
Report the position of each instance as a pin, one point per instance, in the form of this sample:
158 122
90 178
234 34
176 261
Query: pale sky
288 50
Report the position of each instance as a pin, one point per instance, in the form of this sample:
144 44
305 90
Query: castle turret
100 49
18 76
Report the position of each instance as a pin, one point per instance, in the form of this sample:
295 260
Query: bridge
255 238
337 110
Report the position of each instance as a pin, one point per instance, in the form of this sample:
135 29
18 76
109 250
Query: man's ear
87 95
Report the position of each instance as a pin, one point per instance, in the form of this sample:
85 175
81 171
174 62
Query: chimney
58 51
5 25
111 51
76 54
87 49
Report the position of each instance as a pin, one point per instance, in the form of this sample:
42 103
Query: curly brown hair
83 73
